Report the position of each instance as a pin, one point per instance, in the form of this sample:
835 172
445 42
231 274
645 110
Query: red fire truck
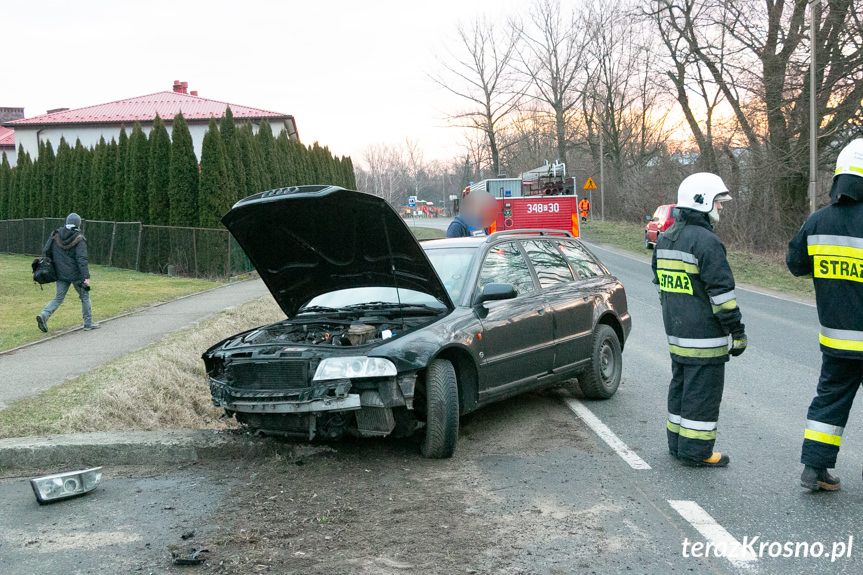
541 198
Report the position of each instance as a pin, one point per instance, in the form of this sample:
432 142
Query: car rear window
551 268
504 264
580 259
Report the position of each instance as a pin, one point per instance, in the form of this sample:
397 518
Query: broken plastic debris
191 556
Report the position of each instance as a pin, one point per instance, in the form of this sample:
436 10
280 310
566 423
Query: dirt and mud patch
376 506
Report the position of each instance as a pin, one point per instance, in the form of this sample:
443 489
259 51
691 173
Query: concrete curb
22 455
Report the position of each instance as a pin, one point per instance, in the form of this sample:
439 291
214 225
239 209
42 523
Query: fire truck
541 198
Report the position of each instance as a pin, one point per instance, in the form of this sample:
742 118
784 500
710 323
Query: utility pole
814 16
601 175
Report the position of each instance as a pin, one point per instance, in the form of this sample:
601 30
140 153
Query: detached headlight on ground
64 485
354 367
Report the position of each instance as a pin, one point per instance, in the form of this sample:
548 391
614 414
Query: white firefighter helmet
699 191
850 160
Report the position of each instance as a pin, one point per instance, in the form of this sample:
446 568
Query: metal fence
193 252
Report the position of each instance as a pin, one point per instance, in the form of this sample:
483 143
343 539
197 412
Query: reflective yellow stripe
676 265
838 268
846 344
833 250
699 352
672 427
849 169
693 434
730 304
674 282
821 437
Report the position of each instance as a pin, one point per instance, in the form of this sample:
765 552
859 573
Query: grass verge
162 386
761 270
422 233
114 291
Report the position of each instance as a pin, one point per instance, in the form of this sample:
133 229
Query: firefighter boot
815 478
715 460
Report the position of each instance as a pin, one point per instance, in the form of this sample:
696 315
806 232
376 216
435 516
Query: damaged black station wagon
385 335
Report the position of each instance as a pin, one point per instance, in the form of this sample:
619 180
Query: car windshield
451 265
372 295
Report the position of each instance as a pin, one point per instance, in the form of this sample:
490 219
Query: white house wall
30 136
11 157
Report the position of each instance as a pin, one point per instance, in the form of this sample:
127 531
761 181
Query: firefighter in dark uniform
702 320
829 248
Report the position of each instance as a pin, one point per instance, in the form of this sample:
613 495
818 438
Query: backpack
43 271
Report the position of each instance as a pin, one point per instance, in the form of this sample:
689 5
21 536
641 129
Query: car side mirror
495 291
647 218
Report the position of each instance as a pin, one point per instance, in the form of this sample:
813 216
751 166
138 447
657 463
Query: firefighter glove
738 344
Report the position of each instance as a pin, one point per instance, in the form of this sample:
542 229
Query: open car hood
309 240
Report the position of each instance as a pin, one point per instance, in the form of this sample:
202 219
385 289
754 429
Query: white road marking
606 434
715 533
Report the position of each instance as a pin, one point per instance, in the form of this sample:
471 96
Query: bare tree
482 73
551 57
622 103
766 83
383 173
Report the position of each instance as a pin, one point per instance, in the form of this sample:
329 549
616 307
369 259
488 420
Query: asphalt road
767 392
437 223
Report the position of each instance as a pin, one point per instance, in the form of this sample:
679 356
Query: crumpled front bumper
330 396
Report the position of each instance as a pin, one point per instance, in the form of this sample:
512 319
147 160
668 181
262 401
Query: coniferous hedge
158 180
159 174
137 174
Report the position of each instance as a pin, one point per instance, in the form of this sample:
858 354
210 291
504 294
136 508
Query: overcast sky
351 72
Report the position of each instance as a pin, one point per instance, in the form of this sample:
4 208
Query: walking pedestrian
702 320
67 247
829 248
584 209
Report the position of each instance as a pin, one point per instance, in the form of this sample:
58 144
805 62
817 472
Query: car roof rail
529 231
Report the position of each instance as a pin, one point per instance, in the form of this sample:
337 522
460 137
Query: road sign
412 201
589 185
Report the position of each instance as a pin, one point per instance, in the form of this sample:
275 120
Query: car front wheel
647 244
602 378
441 396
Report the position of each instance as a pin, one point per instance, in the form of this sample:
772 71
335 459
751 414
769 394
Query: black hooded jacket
696 286
829 247
68 249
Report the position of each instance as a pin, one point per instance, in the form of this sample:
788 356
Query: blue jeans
62 288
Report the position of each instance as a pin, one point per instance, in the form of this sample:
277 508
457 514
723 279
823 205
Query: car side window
581 260
551 268
504 263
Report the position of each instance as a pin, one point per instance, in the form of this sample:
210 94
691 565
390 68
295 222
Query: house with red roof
7 135
7 146
105 120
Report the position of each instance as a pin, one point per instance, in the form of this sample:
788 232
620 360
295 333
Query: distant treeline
157 180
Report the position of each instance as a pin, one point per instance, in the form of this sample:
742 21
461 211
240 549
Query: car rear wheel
602 378
441 394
